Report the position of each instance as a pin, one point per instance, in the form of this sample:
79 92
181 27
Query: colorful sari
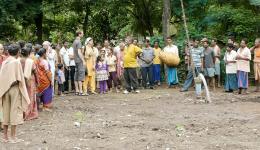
29 69
44 86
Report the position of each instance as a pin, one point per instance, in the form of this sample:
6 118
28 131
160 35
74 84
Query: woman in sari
45 80
29 70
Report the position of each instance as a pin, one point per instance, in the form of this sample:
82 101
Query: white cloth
52 58
71 52
116 50
231 68
244 65
171 49
64 54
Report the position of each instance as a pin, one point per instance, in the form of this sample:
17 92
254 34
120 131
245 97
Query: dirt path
161 119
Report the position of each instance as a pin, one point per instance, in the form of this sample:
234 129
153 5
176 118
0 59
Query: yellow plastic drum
170 59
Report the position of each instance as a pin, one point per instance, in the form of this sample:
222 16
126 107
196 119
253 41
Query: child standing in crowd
209 63
147 64
102 74
111 62
157 64
231 69
256 50
61 79
243 66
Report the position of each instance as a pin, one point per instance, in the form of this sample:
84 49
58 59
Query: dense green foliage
111 19
58 20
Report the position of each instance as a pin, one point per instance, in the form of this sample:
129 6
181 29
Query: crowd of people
29 73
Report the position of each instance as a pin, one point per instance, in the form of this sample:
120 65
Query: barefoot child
231 69
14 92
111 62
61 79
102 74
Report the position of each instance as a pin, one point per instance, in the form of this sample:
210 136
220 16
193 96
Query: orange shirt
257 55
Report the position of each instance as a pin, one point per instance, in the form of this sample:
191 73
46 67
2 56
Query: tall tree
166 18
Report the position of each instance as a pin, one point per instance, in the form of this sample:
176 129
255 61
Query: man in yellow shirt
157 64
130 65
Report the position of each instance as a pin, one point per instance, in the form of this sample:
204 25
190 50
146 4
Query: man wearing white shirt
171 71
69 65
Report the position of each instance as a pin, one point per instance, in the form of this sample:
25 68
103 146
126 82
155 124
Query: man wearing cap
90 55
80 61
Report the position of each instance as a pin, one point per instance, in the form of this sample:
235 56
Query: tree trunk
151 31
38 23
85 23
166 18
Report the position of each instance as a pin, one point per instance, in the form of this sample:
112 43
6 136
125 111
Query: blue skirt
156 72
172 76
242 78
231 82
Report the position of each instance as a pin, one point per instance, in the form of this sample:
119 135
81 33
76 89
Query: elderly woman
52 59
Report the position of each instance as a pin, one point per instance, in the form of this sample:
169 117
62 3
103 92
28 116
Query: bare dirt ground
161 119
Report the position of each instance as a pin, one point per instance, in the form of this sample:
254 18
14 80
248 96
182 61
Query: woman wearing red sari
44 88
